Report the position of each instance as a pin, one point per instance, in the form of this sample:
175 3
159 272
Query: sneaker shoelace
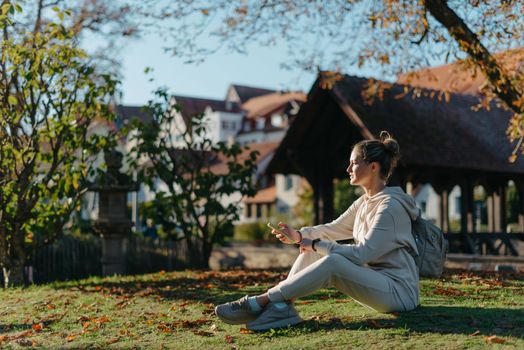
240 305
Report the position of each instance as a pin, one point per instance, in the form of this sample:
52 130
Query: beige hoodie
381 228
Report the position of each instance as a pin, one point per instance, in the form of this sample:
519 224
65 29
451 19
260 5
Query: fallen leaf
112 341
23 334
71 337
26 342
51 306
494 340
203 333
477 332
229 339
449 291
4 338
101 319
37 327
304 302
245 331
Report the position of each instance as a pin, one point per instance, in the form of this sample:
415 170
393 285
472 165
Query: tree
97 25
344 194
391 36
50 98
194 200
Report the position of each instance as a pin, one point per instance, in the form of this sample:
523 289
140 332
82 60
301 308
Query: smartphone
282 232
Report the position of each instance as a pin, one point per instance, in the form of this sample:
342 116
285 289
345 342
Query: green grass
174 311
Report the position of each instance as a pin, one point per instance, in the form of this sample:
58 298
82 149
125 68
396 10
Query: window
261 123
259 211
288 182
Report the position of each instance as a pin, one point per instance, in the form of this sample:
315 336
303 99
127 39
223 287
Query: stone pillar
265 212
113 223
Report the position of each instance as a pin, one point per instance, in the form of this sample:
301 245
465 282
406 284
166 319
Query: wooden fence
72 257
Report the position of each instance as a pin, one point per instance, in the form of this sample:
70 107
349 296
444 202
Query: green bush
253 232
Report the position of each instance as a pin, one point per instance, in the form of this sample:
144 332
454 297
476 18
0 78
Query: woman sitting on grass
377 270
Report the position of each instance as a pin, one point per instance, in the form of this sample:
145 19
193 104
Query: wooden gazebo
442 143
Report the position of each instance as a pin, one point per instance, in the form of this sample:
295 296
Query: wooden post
503 222
495 207
443 201
327 198
442 190
520 189
316 203
490 203
323 199
466 207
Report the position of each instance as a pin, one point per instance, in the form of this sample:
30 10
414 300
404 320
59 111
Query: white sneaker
236 312
275 317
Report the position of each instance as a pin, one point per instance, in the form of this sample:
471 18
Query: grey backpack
432 247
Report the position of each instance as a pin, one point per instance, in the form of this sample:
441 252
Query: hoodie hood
407 201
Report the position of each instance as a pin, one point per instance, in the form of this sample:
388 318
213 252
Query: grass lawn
174 310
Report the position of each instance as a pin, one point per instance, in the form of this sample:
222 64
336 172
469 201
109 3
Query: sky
259 68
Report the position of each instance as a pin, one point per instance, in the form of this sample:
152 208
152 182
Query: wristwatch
314 242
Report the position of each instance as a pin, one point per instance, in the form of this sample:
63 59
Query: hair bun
390 144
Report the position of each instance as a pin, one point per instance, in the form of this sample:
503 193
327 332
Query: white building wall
260 136
287 187
224 126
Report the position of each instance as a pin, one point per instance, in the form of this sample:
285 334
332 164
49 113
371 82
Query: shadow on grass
206 286
432 319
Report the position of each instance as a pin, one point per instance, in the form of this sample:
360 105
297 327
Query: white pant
311 272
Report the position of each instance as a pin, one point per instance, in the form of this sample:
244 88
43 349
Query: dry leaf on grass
477 332
71 337
22 334
26 342
37 327
202 333
494 340
244 331
229 339
112 341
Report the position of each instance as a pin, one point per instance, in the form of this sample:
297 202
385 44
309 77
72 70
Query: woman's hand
286 234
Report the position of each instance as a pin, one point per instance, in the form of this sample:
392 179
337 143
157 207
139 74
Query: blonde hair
385 151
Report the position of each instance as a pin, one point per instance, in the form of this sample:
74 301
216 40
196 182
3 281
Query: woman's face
360 172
